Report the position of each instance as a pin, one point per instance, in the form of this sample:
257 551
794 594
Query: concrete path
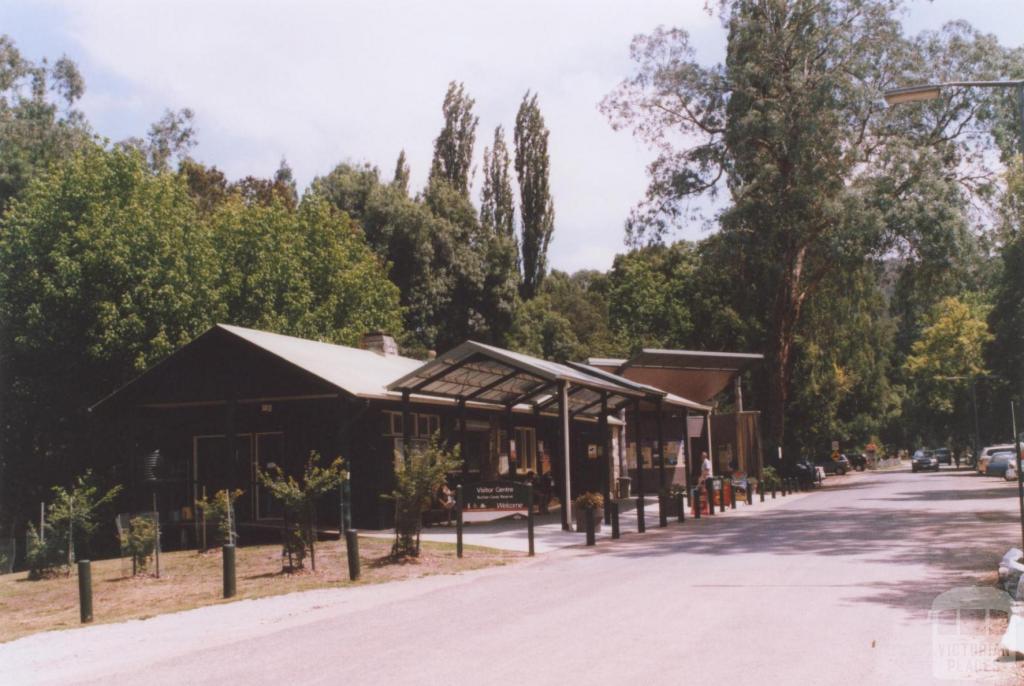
832 587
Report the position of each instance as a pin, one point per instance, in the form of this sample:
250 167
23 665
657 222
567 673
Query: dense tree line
874 255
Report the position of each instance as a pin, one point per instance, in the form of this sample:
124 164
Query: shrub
140 541
299 502
45 557
770 477
216 510
588 500
415 485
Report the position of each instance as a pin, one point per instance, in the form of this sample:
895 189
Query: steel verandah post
459 501
563 422
641 523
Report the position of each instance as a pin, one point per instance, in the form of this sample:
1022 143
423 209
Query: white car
1011 471
986 455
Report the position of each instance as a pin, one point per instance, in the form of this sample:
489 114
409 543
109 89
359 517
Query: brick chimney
380 343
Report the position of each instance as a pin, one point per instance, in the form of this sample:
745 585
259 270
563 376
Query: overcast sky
322 82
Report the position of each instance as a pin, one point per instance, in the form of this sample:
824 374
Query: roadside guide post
696 502
1020 478
352 550
529 517
663 500
760 489
85 590
710 483
229 570
589 518
681 506
721 495
458 520
614 507
732 494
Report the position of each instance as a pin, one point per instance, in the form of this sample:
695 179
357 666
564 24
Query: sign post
501 496
1020 478
459 504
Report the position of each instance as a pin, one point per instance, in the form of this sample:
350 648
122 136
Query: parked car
857 461
986 455
803 471
840 466
924 460
998 463
1011 471
943 455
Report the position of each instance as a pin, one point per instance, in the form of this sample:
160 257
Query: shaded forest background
875 256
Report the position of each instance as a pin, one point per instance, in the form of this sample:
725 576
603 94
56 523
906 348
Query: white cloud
320 82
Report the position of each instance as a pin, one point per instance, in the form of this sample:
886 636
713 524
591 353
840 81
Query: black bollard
615 518
229 570
721 496
774 485
695 499
732 495
711 496
529 519
85 590
663 510
682 507
641 520
352 550
458 521
760 490
589 515
782 487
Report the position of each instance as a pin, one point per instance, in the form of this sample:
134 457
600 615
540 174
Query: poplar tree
535 204
453 147
497 203
401 178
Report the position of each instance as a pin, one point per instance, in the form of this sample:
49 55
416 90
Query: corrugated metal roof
476 371
362 373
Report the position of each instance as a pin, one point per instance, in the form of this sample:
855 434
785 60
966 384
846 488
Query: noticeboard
495 495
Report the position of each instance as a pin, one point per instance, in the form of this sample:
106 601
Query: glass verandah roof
482 373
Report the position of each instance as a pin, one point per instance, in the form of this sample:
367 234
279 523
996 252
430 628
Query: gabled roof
362 373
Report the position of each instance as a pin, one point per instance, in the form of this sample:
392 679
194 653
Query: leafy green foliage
39 124
299 500
218 510
536 207
949 353
415 485
139 542
453 147
46 554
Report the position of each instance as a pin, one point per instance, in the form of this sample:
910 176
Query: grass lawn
188 580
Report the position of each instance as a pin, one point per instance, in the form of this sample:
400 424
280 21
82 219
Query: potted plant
584 502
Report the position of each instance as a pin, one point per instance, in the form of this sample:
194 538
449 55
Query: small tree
140 541
299 501
45 553
415 485
219 510
73 512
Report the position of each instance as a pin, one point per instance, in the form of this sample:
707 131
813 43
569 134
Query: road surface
831 587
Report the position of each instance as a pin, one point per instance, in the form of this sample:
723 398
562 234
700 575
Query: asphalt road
823 588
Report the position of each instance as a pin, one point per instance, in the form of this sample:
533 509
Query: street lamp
932 91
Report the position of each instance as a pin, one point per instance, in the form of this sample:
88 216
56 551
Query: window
526 448
423 425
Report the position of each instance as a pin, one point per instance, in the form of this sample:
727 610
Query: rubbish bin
623 487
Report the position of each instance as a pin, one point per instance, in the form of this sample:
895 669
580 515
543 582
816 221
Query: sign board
495 495
695 426
835 446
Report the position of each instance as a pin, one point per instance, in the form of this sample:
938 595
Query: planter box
580 523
